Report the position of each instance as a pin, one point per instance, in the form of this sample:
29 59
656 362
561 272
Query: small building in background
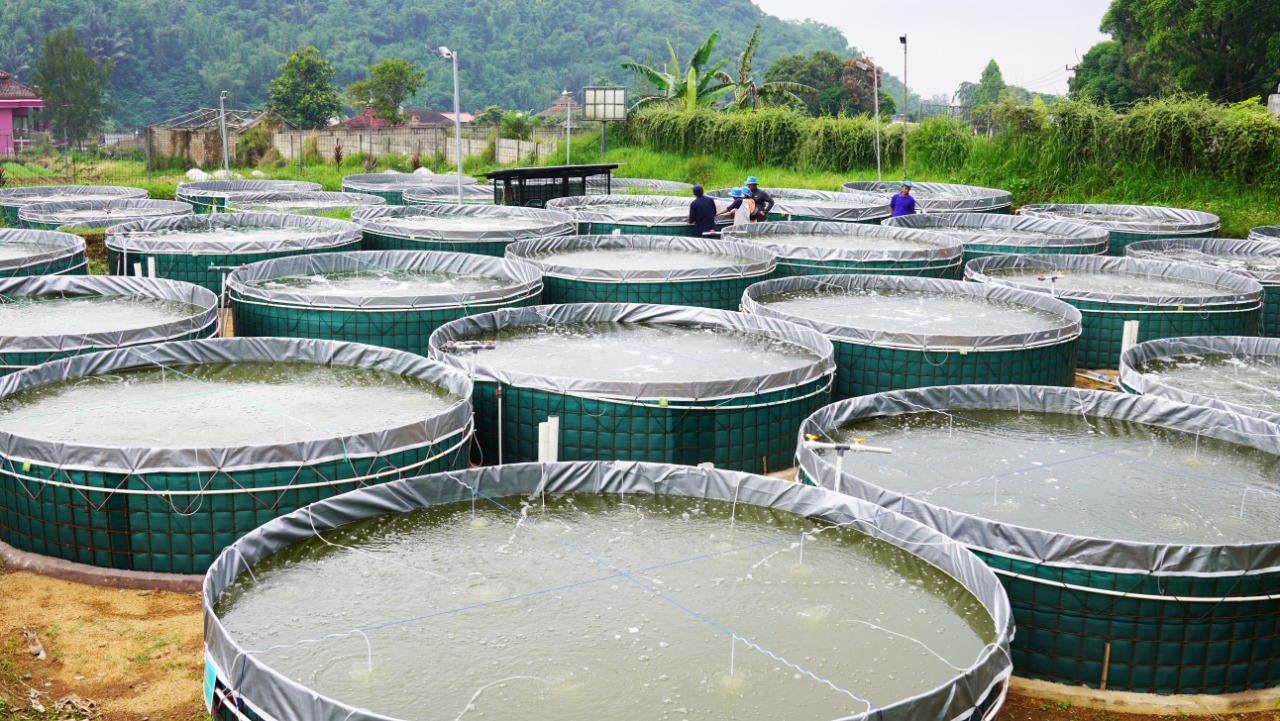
19 115
196 137
561 106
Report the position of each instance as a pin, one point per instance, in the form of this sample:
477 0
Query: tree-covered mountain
172 56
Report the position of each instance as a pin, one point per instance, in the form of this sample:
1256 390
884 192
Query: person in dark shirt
702 213
764 201
903 203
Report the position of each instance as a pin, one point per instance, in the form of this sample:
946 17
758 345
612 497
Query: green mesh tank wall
977 250
1157 646
722 293
1269 324
608 228
1120 240
147 533
9 214
377 241
13 362
393 197
1103 326
741 434
203 204
195 268
402 330
952 270
815 219
865 369
70 265
38 226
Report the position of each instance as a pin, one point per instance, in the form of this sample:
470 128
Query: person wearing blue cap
903 203
764 201
702 213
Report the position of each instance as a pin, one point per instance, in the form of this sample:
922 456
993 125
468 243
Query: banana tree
747 95
696 86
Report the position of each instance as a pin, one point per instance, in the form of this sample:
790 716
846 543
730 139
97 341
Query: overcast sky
951 41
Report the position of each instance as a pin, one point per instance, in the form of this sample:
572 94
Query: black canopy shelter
536 185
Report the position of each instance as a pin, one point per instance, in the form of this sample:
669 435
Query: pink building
17 114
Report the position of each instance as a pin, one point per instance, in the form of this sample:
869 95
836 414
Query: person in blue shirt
702 213
903 203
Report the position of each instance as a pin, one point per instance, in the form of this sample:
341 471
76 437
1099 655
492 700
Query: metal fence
41 158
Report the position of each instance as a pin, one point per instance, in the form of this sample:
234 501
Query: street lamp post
905 125
568 126
222 122
875 88
448 54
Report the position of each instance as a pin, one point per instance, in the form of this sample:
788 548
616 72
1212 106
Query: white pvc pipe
151 266
553 438
1129 337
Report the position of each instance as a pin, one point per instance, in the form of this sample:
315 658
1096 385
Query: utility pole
905 124
222 121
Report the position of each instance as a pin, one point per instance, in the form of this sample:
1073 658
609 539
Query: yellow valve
810 437
662 402
858 440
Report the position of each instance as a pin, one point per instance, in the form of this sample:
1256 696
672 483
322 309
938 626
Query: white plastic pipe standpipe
137 269
151 266
1128 337
841 449
549 440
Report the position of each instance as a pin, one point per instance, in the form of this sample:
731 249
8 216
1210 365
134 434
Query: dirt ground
136 656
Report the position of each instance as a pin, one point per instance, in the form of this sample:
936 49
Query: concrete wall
199 147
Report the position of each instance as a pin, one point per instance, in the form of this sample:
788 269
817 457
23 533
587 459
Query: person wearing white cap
764 201
903 203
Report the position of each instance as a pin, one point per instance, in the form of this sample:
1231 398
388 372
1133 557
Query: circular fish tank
1255 259
1134 535
1167 299
1131 223
211 196
392 298
639 382
392 186
94 214
448 195
637 186
1265 232
478 229
572 591
46 318
853 248
41 252
630 213
1236 374
304 202
986 234
157 458
798 204
893 332
12 199
202 249
664 270
941 197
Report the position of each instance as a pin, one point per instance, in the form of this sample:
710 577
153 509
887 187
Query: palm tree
102 41
747 94
694 87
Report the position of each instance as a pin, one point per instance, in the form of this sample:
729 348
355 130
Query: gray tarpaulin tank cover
101 213
69 456
243 281
630 209
751 260
505 318
153 236
1034 544
46 246
1132 377
824 204
71 286
294 201
18 197
1128 218
939 197
275 696
225 188
645 186
1069 328
1265 232
398 221
1233 288
448 194
400 181
1257 259
932 246
1005 230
